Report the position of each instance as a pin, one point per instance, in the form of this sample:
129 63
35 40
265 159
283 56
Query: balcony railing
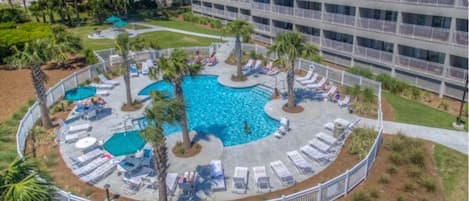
241 1
285 10
197 7
460 38
337 45
457 73
262 27
429 32
339 18
219 11
277 30
311 38
431 2
260 6
307 13
232 15
207 9
370 53
380 25
420 65
263 39
244 17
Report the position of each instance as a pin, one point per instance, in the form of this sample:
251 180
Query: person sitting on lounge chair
212 60
336 97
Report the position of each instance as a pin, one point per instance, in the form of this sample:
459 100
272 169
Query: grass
182 25
413 112
452 167
165 39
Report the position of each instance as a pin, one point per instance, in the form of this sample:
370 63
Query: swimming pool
215 109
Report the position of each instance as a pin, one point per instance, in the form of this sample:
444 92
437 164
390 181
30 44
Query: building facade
424 42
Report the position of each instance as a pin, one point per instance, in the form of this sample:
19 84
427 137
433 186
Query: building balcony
260 6
232 15
240 1
432 33
207 9
277 30
284 10
263 39
261 27
457 74
460 38
219 12
311 38
197 8
431 2
307 13
379 25
244 17
337 45
339 19
420 65
373 54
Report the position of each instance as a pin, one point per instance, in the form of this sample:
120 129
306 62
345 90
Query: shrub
444 105
368 95
391 170
361 72
417 157
356 91
360 196
90 58
361 142
396 158
374 193
416 93
400 198
13 15
414 172
383 179
428 184
408 187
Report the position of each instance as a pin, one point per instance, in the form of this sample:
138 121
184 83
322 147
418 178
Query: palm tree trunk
38 79
238 56
125 9
44 17
161 164
290 84
51 17
186 140
24 6
33 142
75 4
11 4
127 80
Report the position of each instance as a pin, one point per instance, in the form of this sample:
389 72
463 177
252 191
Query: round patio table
85 142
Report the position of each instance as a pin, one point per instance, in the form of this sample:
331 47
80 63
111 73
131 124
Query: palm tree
173 70
33 133
290 46
161 111
19 182
75 5
240 29
122 46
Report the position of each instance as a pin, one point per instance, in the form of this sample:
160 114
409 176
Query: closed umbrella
79 93
124 143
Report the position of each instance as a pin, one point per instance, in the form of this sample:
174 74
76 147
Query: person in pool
246 128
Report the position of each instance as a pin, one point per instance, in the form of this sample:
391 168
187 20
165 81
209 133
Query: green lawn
165 39
413 112
452 169
186 26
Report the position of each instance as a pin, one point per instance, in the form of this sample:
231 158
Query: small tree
122 46
240 29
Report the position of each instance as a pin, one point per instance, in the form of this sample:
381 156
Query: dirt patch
388 111
178 150
236 78
132 107
295 109
400 181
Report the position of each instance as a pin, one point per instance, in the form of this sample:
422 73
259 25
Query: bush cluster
13 15
361 141
214 23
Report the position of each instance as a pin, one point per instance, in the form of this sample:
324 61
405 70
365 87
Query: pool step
262 91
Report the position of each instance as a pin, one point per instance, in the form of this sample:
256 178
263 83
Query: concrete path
161 28
456 140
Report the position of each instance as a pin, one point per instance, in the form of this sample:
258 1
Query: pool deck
303 125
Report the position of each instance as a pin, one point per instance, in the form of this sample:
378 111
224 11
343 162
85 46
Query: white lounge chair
66 137
327 138
320 145
249 64
107 81
145 69
283 174
315 154
331 91
344 102
285 124
102 86
171 182
240 180
306 77
312 80
329 126
100 172
341 121
89 156
102 92
74 128
217 175
301 164
90 166
261 179
318 84
255 69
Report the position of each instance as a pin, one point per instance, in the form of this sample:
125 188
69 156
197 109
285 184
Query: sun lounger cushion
284 175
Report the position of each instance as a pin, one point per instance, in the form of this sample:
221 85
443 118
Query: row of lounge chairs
71 133
253 67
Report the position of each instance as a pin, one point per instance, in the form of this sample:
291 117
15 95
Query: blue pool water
213 108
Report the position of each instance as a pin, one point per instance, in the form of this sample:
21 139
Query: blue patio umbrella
124 143
113 19
120 23
79 93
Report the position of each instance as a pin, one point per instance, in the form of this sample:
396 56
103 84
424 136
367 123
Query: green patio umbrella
113 19
79 93
124 143
120 23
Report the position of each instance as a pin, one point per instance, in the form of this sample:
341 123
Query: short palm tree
161 111
122 46
289 47
19 182
240 29
173 69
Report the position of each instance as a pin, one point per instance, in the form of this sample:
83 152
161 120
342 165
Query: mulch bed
194 150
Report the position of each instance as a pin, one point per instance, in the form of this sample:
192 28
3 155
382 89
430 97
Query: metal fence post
347 176
361 80
319 198
342 78
366 168
89 73
76 79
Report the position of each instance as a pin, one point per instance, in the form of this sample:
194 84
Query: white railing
339 18
429 32
263 39
337 45
380 25
345 182
232 15
197 7
285 10
457 73
260 6
370 53
432 2
419 65
308 13
244 17
219 11
207 9
262 27
460 38
277 30
56 93
311 38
